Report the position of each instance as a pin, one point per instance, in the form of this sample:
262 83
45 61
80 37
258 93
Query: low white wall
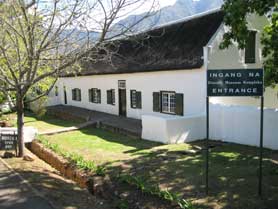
172 129
236 124
239 124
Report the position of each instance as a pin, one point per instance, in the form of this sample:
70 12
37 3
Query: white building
161 77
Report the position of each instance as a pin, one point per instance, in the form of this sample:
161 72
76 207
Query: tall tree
236 12
41 39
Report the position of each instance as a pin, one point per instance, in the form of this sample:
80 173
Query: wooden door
122 102
65 96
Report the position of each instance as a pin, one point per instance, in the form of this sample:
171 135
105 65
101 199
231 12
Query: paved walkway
16 194
132 126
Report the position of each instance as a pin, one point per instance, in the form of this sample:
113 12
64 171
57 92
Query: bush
39 107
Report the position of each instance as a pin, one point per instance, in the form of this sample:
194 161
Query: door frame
65 96
122 90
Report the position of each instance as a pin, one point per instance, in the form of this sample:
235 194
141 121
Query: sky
132 10
162 3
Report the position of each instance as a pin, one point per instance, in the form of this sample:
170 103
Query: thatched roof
176 46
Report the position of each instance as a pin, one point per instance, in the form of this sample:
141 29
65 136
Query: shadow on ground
61 193
137 144
48 119
233 176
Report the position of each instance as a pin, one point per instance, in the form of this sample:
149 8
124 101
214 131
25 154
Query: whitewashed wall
236 124
52 99
189 82
233 58
270 95
172 129
239 124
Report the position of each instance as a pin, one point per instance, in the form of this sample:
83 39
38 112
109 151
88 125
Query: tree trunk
20 124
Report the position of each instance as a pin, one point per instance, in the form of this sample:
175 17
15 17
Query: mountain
181 9
79 35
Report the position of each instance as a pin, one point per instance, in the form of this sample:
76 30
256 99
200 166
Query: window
56 91
76 94
95 95
135 99
250 48
168 102
111 96
121 84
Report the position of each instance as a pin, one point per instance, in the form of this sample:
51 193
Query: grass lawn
233 168
46 123
233 172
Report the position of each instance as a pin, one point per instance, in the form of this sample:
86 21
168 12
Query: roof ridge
185 19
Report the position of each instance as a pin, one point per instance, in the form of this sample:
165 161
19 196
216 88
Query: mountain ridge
180 10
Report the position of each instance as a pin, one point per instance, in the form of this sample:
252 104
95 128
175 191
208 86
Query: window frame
168 102
113 96
133 99
121 84
56 91
95 95
75 94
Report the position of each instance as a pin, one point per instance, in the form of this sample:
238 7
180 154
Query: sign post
207 146
261 146
238 82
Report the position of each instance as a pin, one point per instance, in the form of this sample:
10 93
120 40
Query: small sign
240 82
8 141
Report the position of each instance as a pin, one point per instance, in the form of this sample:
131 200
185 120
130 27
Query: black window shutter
138 100
250 49
99 95
156 102
179 104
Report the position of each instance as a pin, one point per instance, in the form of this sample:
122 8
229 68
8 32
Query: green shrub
142 185
122 204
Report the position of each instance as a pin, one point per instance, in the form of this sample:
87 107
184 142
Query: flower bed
126 190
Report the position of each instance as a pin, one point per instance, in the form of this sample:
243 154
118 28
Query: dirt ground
60 192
